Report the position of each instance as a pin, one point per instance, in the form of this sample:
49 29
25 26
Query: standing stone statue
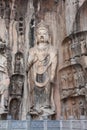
19 65
83 47
70 79
75 73
42 62
67 51
74 109
75 47
81 77
64 83
66 54
4 80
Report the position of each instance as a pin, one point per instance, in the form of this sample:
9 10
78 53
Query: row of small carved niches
74 49
75 107
72 81
16 87
15 95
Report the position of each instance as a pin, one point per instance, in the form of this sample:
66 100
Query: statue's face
42 36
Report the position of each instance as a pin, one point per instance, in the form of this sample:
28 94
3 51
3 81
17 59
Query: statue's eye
44 33
39 33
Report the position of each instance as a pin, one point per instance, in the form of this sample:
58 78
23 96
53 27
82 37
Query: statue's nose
41 37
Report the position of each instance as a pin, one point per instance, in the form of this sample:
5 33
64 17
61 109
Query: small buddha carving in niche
19 64
42 61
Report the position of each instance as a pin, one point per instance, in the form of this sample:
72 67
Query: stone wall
67 21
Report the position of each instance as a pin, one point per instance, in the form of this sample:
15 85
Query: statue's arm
53 66
30 59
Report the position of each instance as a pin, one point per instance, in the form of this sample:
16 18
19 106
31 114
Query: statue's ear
50 40
35 39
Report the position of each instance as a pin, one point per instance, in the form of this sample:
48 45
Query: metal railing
45 124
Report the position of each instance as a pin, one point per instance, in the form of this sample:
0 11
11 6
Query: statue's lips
41 37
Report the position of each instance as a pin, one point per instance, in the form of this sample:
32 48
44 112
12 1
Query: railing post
45 123
61 125
9 118
71 118
28 122
82 119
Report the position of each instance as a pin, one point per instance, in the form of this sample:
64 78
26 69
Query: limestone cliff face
67 21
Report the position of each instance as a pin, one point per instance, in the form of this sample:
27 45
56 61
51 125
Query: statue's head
42 33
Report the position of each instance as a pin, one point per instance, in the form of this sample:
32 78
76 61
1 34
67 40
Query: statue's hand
2 89
52 82
52 79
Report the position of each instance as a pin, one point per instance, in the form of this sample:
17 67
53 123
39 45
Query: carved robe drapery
43 65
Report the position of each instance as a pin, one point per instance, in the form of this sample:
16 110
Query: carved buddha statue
42 61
